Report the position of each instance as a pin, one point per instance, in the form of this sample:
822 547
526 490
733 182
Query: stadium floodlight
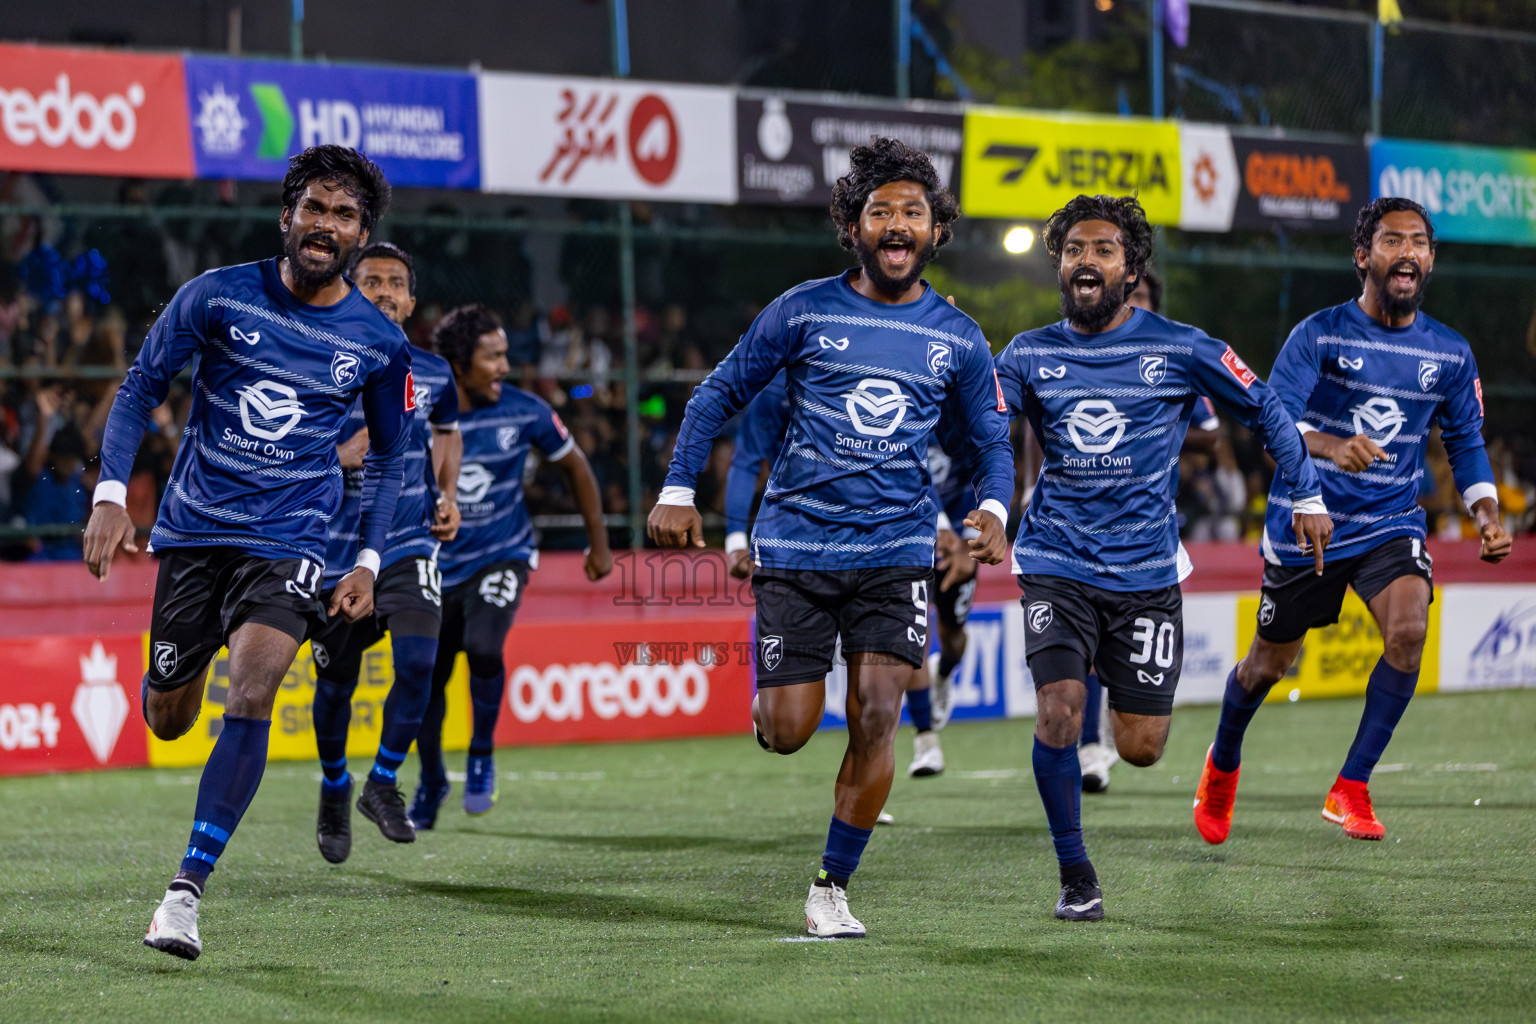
1019 239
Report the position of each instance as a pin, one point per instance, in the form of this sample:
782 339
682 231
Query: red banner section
71 703
596 681
92 112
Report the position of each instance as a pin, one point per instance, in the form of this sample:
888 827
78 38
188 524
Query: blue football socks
1060 781
845 845
1237 710
1387 694
920 707
1093 709
228 785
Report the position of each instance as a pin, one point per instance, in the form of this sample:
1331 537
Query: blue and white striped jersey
1344 373
764 425
494 524
273 382
868 382
1110 411
410 536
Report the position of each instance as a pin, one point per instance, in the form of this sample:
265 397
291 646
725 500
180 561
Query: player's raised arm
1220 373
388 403
1294 377
762 431
447 458
978 403
170 345
760 353
1461 430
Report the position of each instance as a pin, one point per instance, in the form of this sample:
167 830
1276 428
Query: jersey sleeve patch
1477 385
1002 404
1239 369
410 391
554 418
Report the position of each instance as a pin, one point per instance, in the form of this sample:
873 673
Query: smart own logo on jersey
1095 426
876 399
1380 419
474 481
269 410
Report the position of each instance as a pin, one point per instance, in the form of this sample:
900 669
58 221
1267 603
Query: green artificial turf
659 881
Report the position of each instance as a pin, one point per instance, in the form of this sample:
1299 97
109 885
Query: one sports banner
248 117
1300 185
1020 164
90 112
606 139
791 151
1473 193
71 703
1489 638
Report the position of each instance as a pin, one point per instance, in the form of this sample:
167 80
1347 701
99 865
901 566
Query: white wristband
676 496
1305 428
113 492
1477 492
944 523
998 509
735 541
368 559
1312 506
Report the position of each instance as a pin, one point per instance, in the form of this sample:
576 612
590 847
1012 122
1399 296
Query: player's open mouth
896 253
1405 276
318 250
1086 283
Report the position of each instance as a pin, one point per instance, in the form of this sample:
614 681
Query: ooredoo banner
1029 165
71 703
544 135
790 152
90 112
248 117
1315 186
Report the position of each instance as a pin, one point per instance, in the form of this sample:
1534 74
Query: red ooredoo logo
653 141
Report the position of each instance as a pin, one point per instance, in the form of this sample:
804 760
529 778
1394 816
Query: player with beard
282 349
408 596
1365 382
1108 391
485 568
843 544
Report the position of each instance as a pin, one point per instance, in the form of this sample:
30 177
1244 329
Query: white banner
607 139
1208 178
1210 647
1487 636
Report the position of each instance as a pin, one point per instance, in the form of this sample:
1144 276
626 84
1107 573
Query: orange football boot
1349 805
1213 801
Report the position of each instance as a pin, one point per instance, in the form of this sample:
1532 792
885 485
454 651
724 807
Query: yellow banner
1030 165
1336 661
293 732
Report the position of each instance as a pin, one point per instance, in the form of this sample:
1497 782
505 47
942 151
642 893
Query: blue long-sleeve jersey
1344 373
1110 411
410 534
272 385
868 382
759 437
494 524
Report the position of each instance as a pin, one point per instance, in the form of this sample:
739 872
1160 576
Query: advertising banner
92 112
1473 193
1209 177
1490 637
791 151
1316 186
293 730
71 703
1210 647
627 681
1030 165
605 139
1336 661
248 117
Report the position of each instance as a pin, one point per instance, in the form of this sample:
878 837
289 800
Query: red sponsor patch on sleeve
1002 404
1477 384
410 391
1239 369
554 418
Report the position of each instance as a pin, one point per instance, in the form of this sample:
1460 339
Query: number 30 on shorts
1156 643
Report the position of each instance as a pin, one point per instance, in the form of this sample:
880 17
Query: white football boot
1095 760
827 915
927 758
173 929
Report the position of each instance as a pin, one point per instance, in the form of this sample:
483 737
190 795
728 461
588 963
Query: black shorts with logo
802 612
407 598
202 595
478 613
954 604
1134 639
1296 599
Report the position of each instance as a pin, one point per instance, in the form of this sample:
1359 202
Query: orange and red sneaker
1349 805
1213 801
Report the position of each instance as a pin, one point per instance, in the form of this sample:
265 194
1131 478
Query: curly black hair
458 332
357 176
1370 216
388 251
881 162
1124 212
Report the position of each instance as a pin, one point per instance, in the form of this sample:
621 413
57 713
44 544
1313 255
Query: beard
1094 316
870 262
306 275
1397 306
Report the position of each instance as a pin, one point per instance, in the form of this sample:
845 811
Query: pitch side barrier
664 647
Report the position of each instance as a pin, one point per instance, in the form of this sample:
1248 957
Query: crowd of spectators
76 299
